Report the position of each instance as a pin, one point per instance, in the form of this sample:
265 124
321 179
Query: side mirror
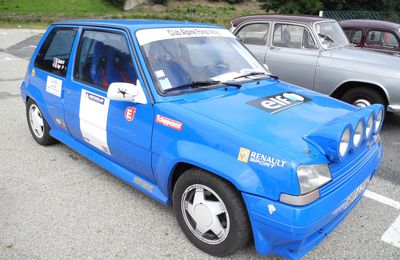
121 91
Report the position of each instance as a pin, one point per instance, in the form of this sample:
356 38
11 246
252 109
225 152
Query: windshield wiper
255 73
193 85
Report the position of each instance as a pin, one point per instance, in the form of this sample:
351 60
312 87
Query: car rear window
54 54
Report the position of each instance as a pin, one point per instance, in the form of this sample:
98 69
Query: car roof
370 23
134 23
287 18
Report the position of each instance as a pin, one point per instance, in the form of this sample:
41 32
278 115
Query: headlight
368 129
358 134
312 177
344 142
378 120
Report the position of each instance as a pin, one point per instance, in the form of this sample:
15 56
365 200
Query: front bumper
291 231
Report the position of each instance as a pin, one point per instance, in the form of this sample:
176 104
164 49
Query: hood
275 115
379 63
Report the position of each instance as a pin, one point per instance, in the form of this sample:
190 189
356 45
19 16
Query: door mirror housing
128 92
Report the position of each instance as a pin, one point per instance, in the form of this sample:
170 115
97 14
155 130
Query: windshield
331 35
182 56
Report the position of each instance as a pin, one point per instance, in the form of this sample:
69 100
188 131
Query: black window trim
66 27
82 26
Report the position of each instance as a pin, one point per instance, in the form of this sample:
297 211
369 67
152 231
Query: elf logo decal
130 113
279 102
168 122
245 155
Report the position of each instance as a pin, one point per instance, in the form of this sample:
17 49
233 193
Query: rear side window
381 39
255 34
55 52
103 58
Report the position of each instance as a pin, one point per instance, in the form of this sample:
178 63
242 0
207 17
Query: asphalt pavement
55 204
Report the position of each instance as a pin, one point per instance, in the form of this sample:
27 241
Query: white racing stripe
392 234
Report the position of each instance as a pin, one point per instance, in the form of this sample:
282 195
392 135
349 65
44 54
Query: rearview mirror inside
121 91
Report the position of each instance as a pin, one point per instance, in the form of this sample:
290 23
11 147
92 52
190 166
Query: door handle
274 48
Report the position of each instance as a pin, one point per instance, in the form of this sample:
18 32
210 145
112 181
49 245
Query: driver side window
292 36
103 58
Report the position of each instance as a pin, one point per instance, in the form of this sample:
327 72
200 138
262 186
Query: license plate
357 192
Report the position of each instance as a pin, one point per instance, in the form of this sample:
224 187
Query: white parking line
382 199
392 234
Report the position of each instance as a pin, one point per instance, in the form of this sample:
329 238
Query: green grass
72 7
41 13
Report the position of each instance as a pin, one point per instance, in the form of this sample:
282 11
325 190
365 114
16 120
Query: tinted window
292 36
354 35
54 54
256 34
381 39
104 58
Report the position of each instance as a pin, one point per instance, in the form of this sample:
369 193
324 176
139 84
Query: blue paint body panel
216 126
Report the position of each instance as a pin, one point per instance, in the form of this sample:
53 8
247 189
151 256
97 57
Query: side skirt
132 179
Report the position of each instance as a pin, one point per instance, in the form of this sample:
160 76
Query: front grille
344 171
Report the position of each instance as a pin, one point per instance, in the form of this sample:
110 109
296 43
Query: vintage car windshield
331 35
178 57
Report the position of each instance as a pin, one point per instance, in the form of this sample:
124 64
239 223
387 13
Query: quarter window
381 39
104 58
54 54
292 36
255 34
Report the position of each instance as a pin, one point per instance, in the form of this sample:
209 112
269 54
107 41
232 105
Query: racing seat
110 65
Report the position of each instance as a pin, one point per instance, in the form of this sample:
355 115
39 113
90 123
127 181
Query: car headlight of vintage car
344 143
358 133
370 124
311 178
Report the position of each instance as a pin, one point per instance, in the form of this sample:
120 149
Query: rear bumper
291 231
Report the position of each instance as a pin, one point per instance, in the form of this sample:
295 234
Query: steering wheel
216 68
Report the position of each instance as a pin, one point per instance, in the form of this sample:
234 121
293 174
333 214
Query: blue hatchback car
183 112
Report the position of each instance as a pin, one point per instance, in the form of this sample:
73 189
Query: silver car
314 52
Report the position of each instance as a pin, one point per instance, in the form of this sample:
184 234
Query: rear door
120 131
381 40
293 54
49 72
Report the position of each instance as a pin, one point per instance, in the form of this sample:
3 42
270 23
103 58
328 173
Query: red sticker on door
168 122
130 113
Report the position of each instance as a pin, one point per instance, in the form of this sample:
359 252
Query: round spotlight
344 142
378 120
358 134
368 129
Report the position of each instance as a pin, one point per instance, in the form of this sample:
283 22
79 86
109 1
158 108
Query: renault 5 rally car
184 113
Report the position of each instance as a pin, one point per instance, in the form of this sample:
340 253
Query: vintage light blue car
184 113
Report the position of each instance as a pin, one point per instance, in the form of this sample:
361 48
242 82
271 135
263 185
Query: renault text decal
279 102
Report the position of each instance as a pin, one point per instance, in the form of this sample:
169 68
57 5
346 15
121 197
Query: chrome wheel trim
36 121
205 214
361 103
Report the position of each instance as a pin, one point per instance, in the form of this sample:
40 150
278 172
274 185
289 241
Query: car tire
216 207
37 124
363 97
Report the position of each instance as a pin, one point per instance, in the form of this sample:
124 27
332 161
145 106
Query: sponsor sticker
95 98
54 86
130 113
60 122
58 63
145 185
246 155
279 102
168 122
33 72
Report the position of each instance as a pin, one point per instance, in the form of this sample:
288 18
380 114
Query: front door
120 131
293 54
